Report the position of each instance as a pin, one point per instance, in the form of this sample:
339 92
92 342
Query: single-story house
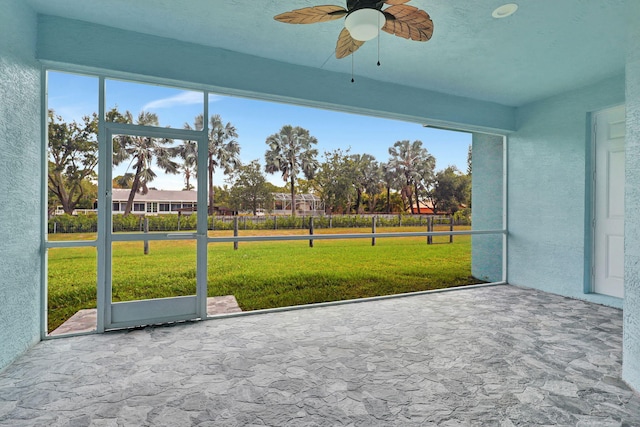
155 201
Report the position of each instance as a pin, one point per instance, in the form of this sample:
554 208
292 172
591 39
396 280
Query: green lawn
261 274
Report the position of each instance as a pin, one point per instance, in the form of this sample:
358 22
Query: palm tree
390 180
143 151
188 152
413 166
224 149
290 152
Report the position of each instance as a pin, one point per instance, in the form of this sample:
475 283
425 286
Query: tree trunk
358 199
293 197
65 201
210 169
66 207
415 185
407 196
132 194
372 202
57 188
388 200
187 177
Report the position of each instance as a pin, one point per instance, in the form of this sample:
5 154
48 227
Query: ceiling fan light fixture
505 10
364 24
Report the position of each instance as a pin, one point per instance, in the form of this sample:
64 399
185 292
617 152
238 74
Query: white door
608 275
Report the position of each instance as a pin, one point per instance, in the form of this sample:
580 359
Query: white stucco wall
631 342
547 192
486 206
20 181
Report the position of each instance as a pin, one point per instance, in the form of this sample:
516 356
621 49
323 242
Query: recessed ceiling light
505 10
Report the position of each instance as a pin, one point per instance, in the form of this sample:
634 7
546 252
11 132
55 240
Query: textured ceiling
546 47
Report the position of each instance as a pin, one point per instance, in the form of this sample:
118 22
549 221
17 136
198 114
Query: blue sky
72 96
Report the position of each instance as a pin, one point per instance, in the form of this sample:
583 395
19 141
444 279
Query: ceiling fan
364 19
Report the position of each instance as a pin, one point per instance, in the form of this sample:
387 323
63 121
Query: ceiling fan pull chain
378 40
352 55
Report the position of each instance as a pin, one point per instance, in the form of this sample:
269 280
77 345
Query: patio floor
497 355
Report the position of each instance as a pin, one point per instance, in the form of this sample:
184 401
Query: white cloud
183 98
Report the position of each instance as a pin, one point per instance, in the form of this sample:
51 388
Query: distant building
424 208
155 201
160 202
306 204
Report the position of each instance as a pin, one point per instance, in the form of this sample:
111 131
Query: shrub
73 224
169 222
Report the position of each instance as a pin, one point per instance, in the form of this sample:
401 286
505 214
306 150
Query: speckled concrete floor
487 356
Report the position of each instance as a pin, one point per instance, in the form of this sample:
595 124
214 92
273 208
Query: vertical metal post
505 208
275 222
451 229
373 230
202 214
311 231
235 232
44 214
146 231
103 302
430 229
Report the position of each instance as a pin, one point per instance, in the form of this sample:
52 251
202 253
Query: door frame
590 212
114 315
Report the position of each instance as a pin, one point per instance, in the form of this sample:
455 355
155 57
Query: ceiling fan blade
311 15
396 1
408 22
346 44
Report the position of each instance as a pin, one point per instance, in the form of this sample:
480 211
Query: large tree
333 182
73 157
223 152
414 166
451 189
366 178
249 188
291 152
143 152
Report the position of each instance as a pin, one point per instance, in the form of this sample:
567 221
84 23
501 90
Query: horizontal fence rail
350 236
71 244
129 237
